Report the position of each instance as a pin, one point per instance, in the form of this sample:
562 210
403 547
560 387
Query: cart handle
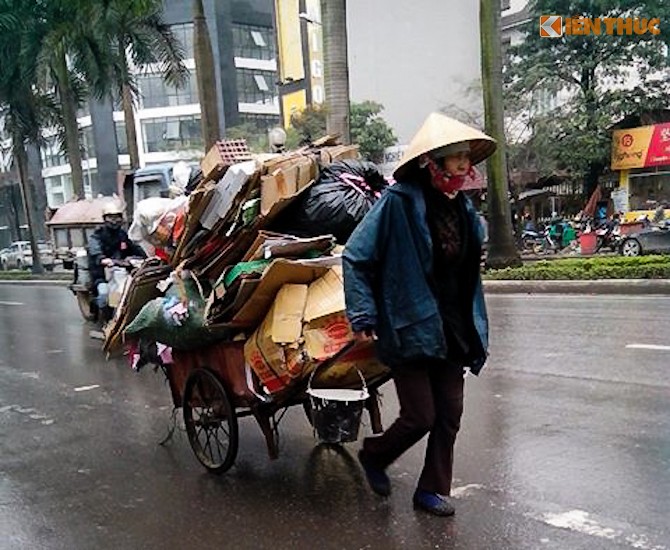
331 360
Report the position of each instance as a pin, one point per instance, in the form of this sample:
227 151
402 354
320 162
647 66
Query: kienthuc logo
555 26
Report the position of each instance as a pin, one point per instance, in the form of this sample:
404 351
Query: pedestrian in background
412 283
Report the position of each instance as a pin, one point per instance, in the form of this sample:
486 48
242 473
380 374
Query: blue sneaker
433 503
377 479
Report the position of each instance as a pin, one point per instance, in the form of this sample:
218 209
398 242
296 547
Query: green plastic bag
153 322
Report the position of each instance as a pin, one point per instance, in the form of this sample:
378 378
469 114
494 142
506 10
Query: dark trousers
431 402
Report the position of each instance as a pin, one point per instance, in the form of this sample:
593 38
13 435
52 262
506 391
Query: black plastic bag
337 202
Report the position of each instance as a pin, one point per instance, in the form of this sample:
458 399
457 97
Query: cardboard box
285 180
285 317
273 349
227 191
338 152
212 165
277 186
326 336
279 273
260 366
344 152
307 172
325 295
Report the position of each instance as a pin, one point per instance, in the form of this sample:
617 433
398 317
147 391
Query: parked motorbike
540 242
531 241
608 236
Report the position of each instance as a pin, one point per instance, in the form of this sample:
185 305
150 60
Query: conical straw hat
437 132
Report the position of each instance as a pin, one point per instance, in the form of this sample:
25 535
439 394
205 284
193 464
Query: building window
87 142
59 189
255 86
157 93
121 138
260 122
254 42
52 154
184 33
90 181
172 134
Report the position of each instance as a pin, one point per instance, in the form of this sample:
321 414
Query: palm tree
336 67
73 62
501 252
26 110
137 37
204 67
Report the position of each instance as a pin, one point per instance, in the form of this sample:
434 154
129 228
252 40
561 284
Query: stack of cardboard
306 325
282 293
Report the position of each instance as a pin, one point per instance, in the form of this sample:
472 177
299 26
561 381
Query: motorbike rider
107 244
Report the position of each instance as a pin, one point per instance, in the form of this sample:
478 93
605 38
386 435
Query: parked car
20 256
3 257
655 239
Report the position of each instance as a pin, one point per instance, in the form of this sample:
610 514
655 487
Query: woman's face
457 165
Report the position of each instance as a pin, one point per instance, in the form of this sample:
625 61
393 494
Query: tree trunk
26 195
502 251
69 107
35 176
131 134
206 77
336 67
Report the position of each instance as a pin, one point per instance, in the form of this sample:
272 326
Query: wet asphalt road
565 444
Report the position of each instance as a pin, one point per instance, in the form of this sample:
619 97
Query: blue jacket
387 264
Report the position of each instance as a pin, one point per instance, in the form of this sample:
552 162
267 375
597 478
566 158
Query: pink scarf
443 181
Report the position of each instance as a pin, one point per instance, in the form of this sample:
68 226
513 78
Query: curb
35 282
600 286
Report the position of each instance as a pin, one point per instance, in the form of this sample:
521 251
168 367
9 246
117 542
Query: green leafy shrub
617 267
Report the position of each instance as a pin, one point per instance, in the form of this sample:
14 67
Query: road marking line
2 303
582 522
648 346
86 388
458 492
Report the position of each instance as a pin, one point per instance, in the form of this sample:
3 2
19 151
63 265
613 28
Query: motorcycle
608 236
540 242
531 240
83 287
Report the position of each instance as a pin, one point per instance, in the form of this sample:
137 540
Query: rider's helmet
112 214
112 208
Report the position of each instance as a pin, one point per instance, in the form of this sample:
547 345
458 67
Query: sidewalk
601 286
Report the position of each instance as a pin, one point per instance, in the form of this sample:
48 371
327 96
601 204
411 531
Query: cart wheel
211 424
84 303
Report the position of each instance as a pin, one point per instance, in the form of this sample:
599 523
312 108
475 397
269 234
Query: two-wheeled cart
214 388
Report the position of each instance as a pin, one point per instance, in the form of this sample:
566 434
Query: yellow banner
630 147
289 37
